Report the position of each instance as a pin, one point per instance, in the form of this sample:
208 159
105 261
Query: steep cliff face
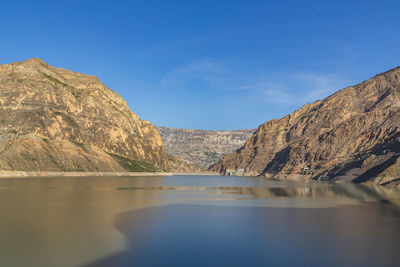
354 133
57 120
202 148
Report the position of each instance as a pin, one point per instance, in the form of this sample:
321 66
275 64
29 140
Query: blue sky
209 64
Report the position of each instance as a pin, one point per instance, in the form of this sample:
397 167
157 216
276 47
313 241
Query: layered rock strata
353 134
52 119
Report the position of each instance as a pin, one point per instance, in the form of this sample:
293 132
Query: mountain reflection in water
195 220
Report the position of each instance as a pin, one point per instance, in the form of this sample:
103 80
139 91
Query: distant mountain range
202 148
352 135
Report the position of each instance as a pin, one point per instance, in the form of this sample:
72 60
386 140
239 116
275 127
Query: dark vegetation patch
134 165
13 131
54 87
76 93
68 119
55 80
44 65
71 121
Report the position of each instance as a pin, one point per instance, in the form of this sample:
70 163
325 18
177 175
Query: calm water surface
196 221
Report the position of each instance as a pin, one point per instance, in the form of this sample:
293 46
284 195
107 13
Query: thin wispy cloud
278 96
294 87
272 87
318 86
206 70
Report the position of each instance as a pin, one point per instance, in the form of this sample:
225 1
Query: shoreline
27 174
197 173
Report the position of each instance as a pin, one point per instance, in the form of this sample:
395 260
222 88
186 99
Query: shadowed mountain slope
353 134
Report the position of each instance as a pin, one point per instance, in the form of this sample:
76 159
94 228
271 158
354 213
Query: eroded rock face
354 133
52 119
202 148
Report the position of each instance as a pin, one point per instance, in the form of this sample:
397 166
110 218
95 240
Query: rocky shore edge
26 174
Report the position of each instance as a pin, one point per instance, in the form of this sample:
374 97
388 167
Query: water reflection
354 193
187 235
75 221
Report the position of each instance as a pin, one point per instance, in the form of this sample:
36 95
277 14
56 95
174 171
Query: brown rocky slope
353 134
52 119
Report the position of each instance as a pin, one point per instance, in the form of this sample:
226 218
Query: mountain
353 134
52 119
202 148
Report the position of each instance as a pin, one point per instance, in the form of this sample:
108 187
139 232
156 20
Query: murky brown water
195 220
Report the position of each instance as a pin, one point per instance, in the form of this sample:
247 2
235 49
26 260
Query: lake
196 221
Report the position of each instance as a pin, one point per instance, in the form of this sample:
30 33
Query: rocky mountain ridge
202 148
52 119
353 134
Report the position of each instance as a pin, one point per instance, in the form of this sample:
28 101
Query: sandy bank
22 174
